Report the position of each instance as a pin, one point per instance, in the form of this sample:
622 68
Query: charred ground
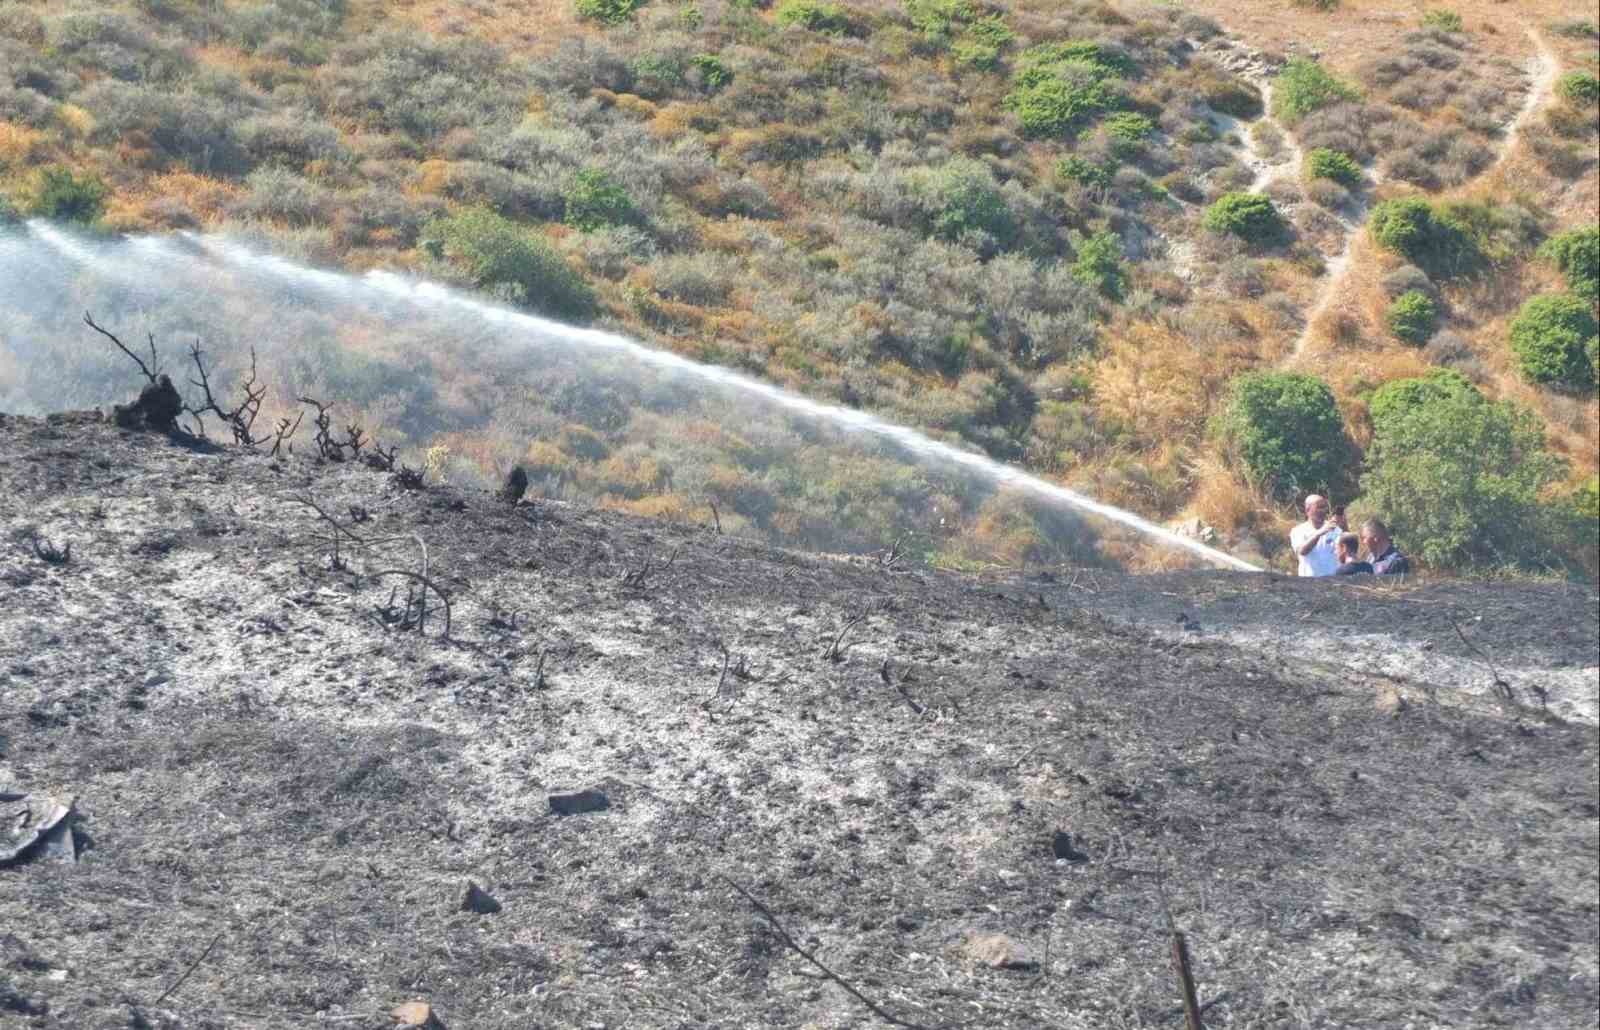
259 756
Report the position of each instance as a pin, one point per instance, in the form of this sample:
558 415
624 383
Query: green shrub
1128 131
1323 163
1104 61
1099 264
1058 107
993 30
1086 172
938 19
713 73
1058 87
1318 5
1441 18
595 200
1250 216
1431 238
1579 88
1303 86
608 12
1550 337
816 15
1412 317
977 54
1285 429
962 201
1398 397
60 195
502 257
1458 478
656 75
9 215
1577 254
1586 500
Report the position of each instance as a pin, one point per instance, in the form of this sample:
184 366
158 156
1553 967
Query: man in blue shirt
1348 547
1386 558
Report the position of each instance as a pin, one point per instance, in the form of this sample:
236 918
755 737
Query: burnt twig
723 678
638 579
716 516
284 431
241 419
192 967
877 1009
835 651
1499 681
1180 961
148 372
419 600
381 459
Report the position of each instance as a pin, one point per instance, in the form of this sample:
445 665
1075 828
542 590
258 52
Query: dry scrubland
996 222
262 763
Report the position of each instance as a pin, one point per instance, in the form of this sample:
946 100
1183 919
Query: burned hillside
673 764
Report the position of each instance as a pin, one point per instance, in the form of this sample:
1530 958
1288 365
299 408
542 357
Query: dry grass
19 144
531 27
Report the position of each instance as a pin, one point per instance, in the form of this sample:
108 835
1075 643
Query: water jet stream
530 329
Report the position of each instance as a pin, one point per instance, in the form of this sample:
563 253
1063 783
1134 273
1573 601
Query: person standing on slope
1313 540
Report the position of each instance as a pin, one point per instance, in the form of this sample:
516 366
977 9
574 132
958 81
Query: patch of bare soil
974 801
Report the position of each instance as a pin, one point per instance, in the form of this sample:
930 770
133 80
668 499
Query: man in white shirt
1313 540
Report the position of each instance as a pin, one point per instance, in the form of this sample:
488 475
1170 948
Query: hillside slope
988 221
267 760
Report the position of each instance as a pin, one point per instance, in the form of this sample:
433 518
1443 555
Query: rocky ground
975 802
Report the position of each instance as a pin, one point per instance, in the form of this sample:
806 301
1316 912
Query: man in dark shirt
1386 558
1348 548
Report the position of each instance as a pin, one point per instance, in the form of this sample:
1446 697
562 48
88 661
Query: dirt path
1542 70
1249 65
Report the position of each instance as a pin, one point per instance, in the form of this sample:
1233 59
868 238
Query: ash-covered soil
264 760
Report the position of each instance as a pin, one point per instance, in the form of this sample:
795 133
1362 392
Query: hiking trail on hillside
1542 71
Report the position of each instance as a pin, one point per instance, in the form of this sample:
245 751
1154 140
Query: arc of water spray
432 295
